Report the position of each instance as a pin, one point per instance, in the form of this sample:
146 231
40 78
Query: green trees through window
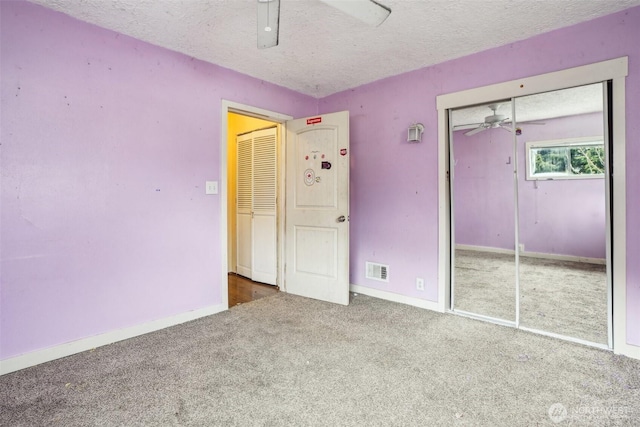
587 160
562 159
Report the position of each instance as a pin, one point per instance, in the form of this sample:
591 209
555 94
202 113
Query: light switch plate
212 187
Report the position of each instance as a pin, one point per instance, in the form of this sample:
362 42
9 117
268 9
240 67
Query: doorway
252 168
316 160
248 118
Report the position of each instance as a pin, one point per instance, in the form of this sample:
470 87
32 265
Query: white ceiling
322 50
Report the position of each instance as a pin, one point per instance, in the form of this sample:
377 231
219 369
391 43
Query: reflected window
576 158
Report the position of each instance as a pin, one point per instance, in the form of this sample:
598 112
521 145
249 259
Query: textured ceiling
323 51
541 106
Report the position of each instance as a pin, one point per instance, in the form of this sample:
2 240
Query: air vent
377 271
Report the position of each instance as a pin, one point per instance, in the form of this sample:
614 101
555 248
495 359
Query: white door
317 211
256 206
244 207
264 235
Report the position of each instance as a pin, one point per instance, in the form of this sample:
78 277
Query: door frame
260 113
615 70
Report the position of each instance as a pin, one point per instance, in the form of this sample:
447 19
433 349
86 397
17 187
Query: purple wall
107 142
483 193
106 145
394 199
563 217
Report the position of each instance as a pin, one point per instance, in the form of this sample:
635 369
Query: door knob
341 218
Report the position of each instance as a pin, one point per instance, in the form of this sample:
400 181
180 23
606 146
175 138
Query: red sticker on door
343 152
314 120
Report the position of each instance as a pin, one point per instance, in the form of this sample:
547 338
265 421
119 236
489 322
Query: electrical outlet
211 187
420 283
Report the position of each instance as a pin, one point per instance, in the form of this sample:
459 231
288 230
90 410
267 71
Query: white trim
571 77
608 152
444 239
567 338
485 249
516 209
542 255
256 112
619 220
67 349
628 350
557 257
390 296
247 110
616 70
451 195
490 319
281 205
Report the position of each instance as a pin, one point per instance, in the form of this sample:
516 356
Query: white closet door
244 204
264 206
256 214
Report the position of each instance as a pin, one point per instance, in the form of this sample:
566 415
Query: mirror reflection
483 222
528 206
562 213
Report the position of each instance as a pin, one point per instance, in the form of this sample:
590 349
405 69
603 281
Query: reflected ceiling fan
493 121
368 11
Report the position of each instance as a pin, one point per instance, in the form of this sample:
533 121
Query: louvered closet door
256 210
244 204
264 206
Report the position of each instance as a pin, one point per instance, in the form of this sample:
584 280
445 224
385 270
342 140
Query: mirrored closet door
483 208
530 213
562 205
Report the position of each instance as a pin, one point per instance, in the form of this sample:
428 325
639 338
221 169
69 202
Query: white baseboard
485 249
628 350
541 255
67 349
402 299
586 260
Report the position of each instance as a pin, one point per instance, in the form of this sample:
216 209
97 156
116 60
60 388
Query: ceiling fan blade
268 23
467 126
508 129
476 130
527 123
368 11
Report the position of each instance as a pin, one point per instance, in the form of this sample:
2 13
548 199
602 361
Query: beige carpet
290 361
562 297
